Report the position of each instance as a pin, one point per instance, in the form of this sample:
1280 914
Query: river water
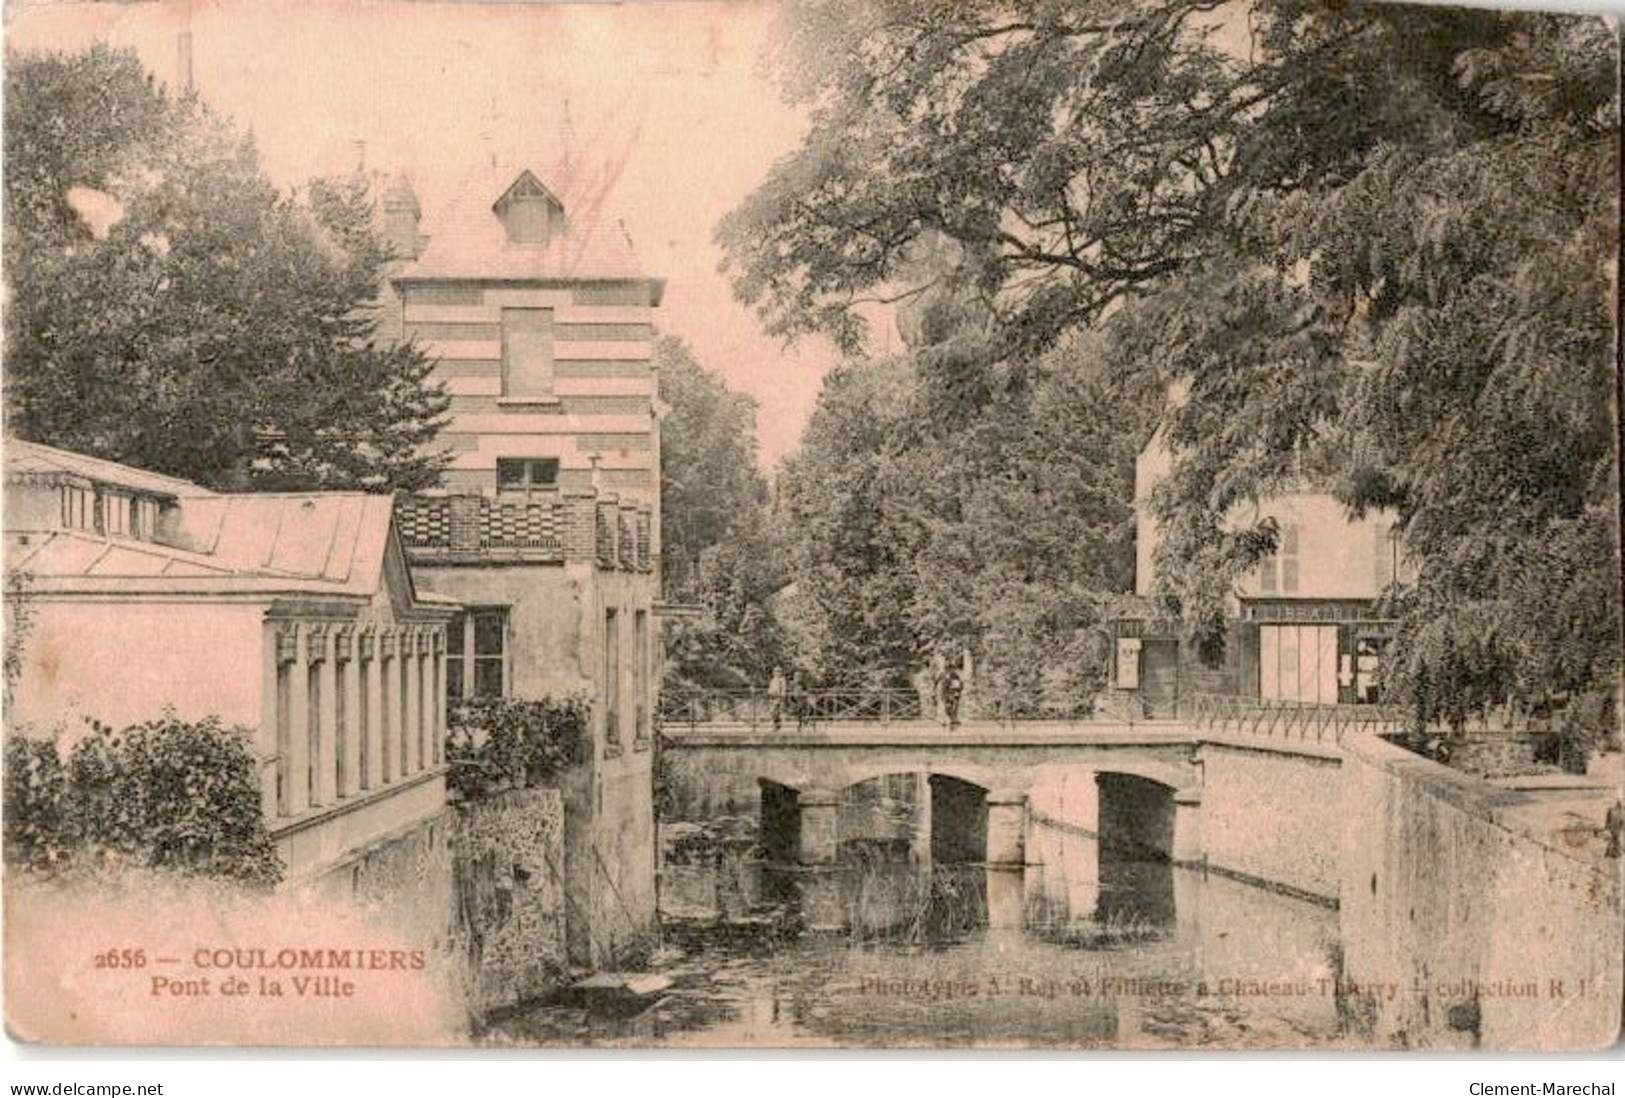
1079 949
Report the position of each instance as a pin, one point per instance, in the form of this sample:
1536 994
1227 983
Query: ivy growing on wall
166 794
514 743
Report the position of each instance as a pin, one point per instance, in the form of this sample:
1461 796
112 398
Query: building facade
548 525
1305 624
291 615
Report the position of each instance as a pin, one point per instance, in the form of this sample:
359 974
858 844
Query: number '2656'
122 958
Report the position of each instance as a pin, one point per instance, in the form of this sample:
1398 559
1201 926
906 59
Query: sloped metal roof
323 543
32 457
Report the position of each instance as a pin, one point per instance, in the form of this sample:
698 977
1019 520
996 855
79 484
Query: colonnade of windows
356 708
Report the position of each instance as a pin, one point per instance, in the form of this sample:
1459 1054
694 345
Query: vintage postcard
816 523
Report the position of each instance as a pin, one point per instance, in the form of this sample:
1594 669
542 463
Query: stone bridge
1150 775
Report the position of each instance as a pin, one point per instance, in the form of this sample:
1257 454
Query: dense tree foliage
717 544
171 309
1372 247
709 476
1006 534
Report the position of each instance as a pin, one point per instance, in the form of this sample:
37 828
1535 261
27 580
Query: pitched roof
31 457
468 241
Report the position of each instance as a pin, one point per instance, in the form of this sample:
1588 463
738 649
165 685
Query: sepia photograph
933 525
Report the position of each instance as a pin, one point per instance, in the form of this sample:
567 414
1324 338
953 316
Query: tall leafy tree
710 481
1007 533
1371 246
1427 331
718 547
171 309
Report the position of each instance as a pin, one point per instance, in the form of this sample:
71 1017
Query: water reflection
1078 949
879 888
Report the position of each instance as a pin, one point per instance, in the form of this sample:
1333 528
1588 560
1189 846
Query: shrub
36 823
514 743
167 794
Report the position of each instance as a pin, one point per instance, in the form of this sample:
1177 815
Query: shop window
1368 668
1298 663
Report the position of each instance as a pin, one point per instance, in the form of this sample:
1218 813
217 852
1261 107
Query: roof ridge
11 442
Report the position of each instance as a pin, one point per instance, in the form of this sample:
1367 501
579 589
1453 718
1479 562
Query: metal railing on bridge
1285 719
757 710
811 709
1234 714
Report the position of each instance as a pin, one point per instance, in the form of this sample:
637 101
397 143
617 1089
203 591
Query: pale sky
675 90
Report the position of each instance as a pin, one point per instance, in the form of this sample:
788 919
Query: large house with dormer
547 527
1306 624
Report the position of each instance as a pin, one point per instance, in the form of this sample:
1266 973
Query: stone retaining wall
1269 812
510 897
479 886
1461 927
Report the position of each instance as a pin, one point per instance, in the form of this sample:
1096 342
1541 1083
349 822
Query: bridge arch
779 823
985 778
1149 817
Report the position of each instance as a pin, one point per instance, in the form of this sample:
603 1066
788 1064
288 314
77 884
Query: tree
709 478
718 548
846 548
1075 152
1371 246
1429 332
1009 532
170 309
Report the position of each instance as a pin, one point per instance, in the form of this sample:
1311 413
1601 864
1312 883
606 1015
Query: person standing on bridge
939 677
799 703
952 687
777 689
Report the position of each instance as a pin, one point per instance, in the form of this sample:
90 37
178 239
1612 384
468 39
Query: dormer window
529 212
108 511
